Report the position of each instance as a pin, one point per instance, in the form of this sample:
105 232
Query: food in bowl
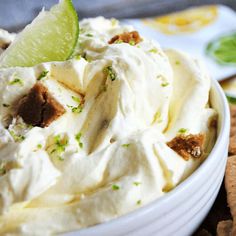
88 139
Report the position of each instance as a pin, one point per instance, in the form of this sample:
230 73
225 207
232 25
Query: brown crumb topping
4 45
132 38
224 228
232 141
39 107
188 146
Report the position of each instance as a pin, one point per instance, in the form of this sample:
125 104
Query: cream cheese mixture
109 153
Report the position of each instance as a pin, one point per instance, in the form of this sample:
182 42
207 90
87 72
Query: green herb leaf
39 146
136 183
89 35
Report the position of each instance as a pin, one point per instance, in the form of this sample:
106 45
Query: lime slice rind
52 36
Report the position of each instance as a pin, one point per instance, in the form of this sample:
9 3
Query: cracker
232 141
203 232
232 131
188 146
224 228
39 107
232 145
230 185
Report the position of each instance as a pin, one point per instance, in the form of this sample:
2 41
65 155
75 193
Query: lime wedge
52 36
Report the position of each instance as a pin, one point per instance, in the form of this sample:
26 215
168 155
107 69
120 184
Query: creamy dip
108 155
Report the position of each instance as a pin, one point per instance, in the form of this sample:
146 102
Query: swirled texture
107 154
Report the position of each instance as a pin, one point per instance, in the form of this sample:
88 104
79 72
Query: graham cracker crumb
127 37
4 45
188 146
39 107
232 141
224 228
230 185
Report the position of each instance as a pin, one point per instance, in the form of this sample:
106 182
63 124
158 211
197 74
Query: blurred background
207 31
14 14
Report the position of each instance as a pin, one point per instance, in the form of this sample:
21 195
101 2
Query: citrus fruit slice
52 36
187 21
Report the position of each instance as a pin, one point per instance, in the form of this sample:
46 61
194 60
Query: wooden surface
15 14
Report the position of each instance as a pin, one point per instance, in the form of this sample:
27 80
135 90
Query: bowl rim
144 210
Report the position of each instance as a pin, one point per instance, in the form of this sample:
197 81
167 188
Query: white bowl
182 210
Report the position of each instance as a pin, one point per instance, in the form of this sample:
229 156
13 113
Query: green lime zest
16 81
182 130
78 139
139 202
76 109
60 146
115 187
153 50
111 74
126 145
17 137
43 75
